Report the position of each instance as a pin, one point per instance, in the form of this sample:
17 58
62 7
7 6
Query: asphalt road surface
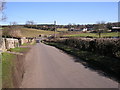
48 67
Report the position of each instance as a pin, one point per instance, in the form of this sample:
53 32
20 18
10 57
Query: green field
62 29
27 32
112 34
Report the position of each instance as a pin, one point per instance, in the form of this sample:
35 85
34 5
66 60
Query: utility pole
55 29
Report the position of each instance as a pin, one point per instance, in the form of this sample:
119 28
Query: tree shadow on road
95 68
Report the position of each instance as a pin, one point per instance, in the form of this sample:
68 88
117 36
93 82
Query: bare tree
2 17
30 23
2 7
13 23
69 26
13 30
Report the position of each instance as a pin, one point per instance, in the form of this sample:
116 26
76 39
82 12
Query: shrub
104 46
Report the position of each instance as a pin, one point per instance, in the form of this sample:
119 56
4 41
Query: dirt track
48 67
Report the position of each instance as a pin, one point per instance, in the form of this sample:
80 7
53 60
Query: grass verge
26 44
7 65
18 49
109 66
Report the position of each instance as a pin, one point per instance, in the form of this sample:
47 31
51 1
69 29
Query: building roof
115 27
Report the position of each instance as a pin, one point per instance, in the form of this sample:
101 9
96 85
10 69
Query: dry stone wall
7 43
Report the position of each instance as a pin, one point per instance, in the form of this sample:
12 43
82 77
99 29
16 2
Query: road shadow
93 67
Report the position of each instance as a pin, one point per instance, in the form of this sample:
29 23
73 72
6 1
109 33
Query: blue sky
62 12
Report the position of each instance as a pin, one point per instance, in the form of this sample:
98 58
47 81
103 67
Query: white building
84 29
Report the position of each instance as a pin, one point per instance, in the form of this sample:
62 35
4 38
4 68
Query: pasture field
62 29
111 34
27 32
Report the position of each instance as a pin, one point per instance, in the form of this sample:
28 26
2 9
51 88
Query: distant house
74 29
80 29
115 29
87 29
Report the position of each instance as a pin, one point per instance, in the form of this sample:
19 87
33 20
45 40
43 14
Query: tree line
30 24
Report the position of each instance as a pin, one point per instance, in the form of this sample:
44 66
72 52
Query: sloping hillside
27 32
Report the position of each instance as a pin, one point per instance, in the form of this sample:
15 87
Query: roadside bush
103 54
103 46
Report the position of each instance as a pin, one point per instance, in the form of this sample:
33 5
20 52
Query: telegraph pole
55 29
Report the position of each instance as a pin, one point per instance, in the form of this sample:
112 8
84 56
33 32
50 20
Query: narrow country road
48 67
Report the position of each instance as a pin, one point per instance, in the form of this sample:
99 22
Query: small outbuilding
115 29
